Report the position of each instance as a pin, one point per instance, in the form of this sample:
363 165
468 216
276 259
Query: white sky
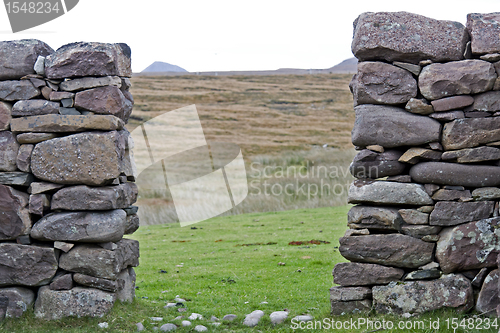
218 35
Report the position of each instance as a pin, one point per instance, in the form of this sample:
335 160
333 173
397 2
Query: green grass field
219 269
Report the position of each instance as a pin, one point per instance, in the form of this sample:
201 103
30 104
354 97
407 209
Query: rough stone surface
381 83
360 274
91 158
450 195
414 217
26 265
449 213
472 155
402 36
392 127
127 293
62 282
19 57
456 78
23 159
132 224
486 193
380 218
488 298
342 294
412 68
5 115
452 103
387 249
448 116
488 101
456 174
91 227
99 283
103 100
369 164
419 106
33 138
63 246
41 187
34 107
484 30
95 198
95 261
414 155
77 302
89 59
423 274
479 240
350 307
469 133
8 151
450 291
14 218
382 192
20 300
90 82
16 178
39 203
419 231
66 123
17 90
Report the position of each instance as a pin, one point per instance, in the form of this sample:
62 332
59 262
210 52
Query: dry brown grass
262 114
281 122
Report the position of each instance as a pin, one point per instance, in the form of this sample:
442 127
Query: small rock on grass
303 318
186 323
229 317
168 327
253 318
140 327
195 316
103 325
156 318
278 317
214 318
169 305
200 328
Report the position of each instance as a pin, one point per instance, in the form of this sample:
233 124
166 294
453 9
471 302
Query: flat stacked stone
65 170
423 234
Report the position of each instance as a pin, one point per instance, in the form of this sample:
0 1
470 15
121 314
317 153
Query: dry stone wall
425 229
66 179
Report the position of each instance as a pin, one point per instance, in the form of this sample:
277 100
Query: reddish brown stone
402 36
88 59
381 83
456 78
484 30
388 249
468 246
452 103
358 274
468 133
5 115
9 149
19 57
14 217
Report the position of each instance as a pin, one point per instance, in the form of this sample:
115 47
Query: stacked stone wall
66 179
425 229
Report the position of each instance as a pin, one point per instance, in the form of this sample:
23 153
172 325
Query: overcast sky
218 35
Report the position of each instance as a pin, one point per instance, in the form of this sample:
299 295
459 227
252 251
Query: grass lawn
217 274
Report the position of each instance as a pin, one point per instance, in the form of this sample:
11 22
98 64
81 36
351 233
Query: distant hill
348 66
159 66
